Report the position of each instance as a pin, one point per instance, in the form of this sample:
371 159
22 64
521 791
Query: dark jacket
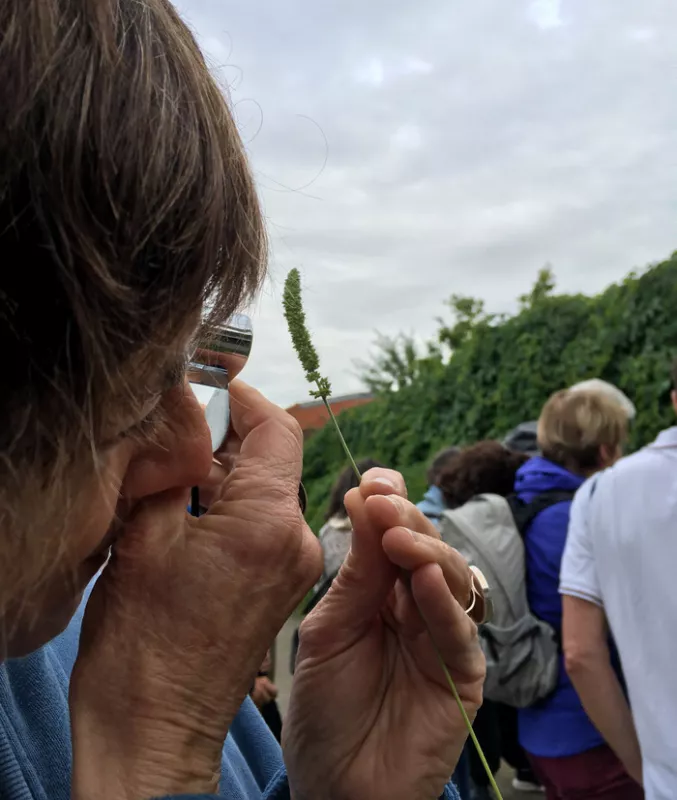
558 726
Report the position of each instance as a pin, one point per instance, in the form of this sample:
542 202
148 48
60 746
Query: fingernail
385 482
414 535
396 501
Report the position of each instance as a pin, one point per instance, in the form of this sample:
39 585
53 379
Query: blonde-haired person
126 208
579 433
524 438
618 575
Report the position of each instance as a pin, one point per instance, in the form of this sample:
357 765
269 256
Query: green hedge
506 370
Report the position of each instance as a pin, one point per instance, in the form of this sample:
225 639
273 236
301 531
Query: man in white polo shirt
620 565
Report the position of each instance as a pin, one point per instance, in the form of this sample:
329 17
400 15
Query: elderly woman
126 205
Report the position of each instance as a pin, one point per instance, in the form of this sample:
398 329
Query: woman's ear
608 455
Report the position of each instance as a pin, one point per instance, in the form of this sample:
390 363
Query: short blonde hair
574 425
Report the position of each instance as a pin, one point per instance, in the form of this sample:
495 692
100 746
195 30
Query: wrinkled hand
180 621
371 714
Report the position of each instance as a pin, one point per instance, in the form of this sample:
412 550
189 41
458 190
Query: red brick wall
313 417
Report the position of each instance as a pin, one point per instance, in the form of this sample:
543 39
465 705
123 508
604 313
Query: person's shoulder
639 466
584 496
432 505
431 512
582 501
548 531
250 739
631 482
587 489
558 511
336 524
450 793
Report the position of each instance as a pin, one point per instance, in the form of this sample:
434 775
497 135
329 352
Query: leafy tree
544 287
468 314
502 370
392 365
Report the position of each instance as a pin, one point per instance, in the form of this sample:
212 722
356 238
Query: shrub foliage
502 369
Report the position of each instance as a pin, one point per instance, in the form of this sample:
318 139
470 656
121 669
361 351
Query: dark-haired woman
488 467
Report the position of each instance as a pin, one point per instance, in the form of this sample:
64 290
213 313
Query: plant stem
468 724
346 449
450 680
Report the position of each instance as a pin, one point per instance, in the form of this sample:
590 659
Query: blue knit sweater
35 747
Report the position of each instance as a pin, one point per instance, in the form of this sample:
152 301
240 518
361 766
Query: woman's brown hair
484 468
126 204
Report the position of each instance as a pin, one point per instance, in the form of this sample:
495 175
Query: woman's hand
371 713
181 619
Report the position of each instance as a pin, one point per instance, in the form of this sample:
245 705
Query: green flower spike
305 349
296 322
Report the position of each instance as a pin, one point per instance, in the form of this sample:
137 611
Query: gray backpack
522 651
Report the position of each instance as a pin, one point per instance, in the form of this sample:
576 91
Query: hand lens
216 364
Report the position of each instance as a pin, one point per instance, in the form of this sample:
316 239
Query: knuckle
419 522
273 467
264 502
286 432
351 497
293 426
459 572
391 475
456 556
284 515
306 630
310 630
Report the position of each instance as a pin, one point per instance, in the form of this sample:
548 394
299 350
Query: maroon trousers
594 775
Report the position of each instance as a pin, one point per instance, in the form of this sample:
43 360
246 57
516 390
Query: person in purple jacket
129 228
579 433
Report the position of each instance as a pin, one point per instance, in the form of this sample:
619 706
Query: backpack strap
525 513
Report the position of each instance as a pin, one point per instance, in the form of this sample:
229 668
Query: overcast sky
407 151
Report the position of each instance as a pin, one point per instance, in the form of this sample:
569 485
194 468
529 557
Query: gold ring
480 589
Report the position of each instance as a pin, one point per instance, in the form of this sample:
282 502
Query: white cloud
375 71
642 34
417 66
406 137
372 73
546 14
407 151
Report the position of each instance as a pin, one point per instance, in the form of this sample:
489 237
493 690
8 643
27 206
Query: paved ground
283 680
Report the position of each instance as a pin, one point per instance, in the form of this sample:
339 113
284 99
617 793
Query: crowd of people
593 531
